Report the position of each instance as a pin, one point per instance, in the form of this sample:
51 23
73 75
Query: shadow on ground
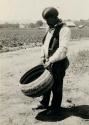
81 111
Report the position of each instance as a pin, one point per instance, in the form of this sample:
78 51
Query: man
54 56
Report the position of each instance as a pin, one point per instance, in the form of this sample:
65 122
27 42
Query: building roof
70 24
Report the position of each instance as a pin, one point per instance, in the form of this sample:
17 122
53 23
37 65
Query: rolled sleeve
64 38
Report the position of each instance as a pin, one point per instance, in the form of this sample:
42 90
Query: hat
49 12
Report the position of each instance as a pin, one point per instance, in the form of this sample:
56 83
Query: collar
56 25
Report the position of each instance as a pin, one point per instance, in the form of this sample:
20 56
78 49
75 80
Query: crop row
32 37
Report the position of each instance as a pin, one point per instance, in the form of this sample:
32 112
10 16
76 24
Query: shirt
64 38
47 41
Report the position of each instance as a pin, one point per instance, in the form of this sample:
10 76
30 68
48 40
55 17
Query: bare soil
17 109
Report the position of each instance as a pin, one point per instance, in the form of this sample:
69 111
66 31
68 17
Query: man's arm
61 52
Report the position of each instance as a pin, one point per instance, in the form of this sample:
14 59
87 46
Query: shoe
40 107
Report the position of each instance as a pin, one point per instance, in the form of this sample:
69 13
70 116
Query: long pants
58 71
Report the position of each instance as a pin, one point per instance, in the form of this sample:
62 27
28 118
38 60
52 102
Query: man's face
51 21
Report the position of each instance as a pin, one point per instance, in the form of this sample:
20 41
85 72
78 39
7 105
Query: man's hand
42 61
48 65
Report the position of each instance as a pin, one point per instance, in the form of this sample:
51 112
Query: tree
32 25
39 23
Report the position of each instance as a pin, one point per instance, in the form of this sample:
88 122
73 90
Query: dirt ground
16 109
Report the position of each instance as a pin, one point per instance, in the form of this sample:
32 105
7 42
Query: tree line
39 23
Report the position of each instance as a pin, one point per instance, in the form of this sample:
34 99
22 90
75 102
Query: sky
31 10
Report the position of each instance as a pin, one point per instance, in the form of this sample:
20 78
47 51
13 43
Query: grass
79 63
78 33
20 38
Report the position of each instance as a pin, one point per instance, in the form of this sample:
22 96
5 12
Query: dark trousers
58 71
